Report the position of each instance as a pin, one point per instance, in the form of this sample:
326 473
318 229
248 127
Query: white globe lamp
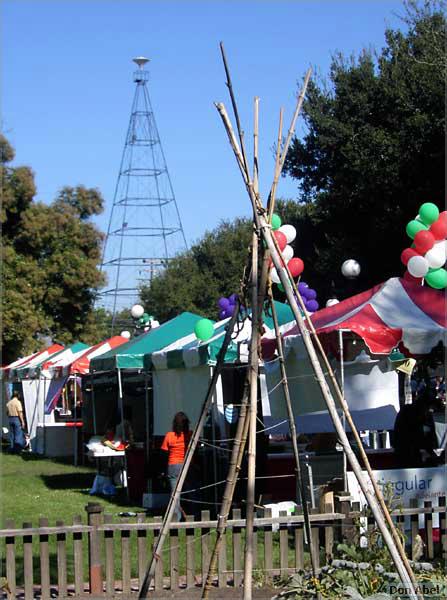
350 268
137 311
125 334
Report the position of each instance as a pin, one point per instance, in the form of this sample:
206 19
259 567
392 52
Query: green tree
195 280
373 152
50 262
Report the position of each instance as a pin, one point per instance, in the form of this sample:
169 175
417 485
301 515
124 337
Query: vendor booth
359 335
41 392
118 382
63 400
181 375
12 377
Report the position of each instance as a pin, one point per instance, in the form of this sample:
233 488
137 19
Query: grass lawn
34 487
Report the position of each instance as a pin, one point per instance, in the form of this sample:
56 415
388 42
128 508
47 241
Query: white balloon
289 231
274 276
332 302
443 245
125 334
287 253
137 311
350 268
436 256
418 266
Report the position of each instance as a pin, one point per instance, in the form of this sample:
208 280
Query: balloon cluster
145 319
309 297
226 306
428 253
285 235
204 329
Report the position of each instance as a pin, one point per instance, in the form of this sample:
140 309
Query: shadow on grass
65 481
57 460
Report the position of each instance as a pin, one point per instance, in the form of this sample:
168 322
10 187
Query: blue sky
67 86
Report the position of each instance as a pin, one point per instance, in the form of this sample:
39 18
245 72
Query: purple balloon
223 303
233 298
302 287
230 310
312 305
222 314
310 294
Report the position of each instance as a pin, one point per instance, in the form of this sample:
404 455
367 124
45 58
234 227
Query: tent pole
265 228
169 513
146 402
75 419
300 488
342 390
120 396
213 428
93 404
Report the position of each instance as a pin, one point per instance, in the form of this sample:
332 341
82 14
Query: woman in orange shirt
175 444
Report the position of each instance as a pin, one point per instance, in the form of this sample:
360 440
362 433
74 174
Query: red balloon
407 254
281 239
439 227
424 241
409 277
296 266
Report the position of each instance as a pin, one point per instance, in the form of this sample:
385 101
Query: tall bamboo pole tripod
265 229
251 383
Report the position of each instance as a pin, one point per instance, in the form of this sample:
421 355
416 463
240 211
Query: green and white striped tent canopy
189 352
133 354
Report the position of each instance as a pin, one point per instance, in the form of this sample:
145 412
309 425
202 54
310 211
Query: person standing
175 444
14 410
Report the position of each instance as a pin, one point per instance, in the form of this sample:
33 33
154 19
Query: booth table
130 461
58 439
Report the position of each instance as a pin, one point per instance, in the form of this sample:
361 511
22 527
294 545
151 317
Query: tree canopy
373 152
196 279
50 256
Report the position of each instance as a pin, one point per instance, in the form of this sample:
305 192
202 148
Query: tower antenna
145 230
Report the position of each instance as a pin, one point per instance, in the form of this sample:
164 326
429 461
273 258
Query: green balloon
204 329
276 221
413 227
280 287
437 278
428 213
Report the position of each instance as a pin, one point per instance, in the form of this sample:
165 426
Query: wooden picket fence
102 558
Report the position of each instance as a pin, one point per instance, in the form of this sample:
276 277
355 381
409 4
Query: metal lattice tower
145 230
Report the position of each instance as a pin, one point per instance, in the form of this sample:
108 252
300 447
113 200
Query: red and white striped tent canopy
81 363
391 313
9 371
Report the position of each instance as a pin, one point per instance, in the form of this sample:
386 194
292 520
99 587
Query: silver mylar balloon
350 268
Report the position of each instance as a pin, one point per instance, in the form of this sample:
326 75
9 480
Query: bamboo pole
265 229
234 105
175 496
348 417
237 454
251 475
300 491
